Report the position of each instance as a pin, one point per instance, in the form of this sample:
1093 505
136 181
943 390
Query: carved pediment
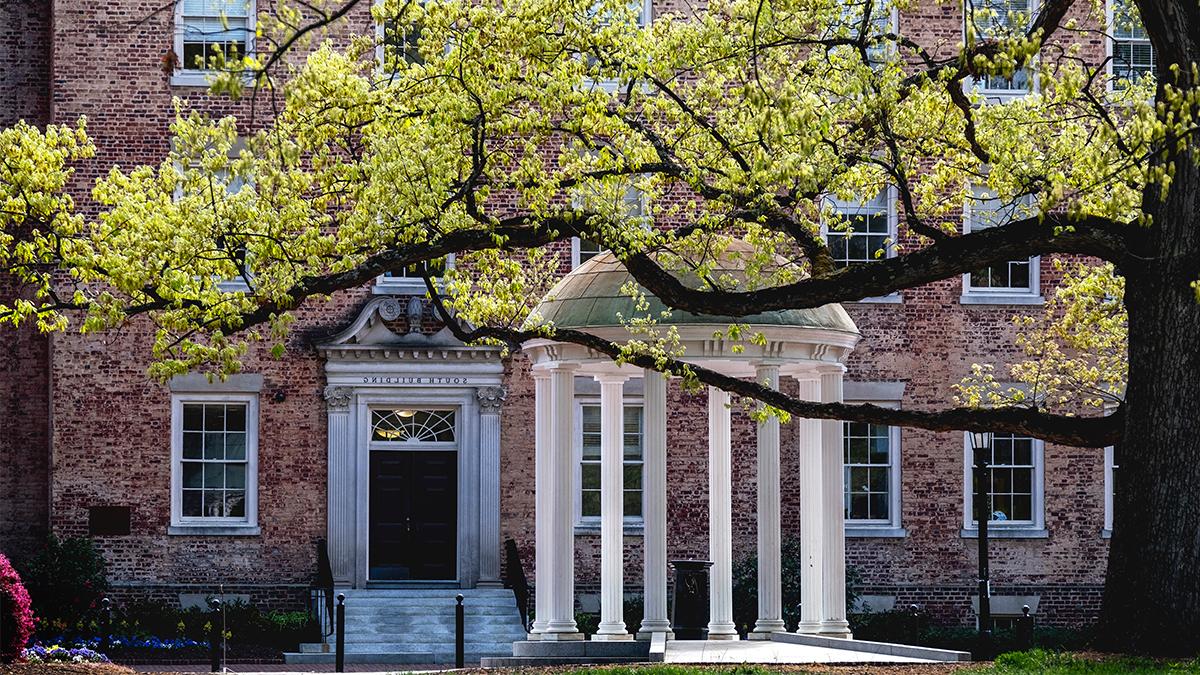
395 325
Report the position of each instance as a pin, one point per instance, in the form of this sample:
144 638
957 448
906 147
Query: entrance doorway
413 504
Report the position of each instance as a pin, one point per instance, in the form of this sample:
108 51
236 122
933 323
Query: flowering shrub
57 653
16 618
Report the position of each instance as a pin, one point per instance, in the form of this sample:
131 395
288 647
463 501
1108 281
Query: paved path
748 651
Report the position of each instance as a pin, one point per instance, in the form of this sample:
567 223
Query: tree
513 125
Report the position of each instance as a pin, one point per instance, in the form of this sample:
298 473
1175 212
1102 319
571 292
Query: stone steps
417 626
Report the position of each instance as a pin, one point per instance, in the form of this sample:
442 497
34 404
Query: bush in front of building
16 616
915 628
66 581
745 587
244 624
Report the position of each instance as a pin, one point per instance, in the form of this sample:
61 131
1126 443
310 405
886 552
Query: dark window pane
214 418
192 504
591 503
235 418
214 475
214 446
235 476
879 506
193 475
590 474
235 446
193 417
633 503
879 450
633 476
235 504
859 507
193 445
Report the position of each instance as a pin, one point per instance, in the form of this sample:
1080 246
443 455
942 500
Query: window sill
1007 533
875 532
893 299
214 530
1105 533
1001 299
413 287
198 78
589 529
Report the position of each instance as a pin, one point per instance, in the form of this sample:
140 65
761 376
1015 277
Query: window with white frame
206 28
642 12
233 246
398 42
587 437
1015 490
1112 462
859 232
632 205
1003 280
882 21
411 278
1131 51
871 474
214 449
997 19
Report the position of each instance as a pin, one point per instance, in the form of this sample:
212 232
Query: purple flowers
57 653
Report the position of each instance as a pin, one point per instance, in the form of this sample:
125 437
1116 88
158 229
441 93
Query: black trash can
689 606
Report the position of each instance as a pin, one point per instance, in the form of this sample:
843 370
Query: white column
543 569
770 591
490 399
654 505
720 518
833 615
342 544
612 509
561 625
812 530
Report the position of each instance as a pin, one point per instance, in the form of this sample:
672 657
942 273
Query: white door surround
368 366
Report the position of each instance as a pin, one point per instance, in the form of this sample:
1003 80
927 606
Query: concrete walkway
745 651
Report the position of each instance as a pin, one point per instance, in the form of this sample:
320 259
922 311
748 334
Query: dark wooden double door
413 515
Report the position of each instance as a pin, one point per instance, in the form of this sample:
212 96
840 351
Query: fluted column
561 625
342 476
833 614
770 591
812 529
612 509
490 399
654 505
543 504
720 518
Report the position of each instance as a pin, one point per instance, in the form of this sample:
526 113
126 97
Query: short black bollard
1025 629
459 626
216 634
340 665
105 624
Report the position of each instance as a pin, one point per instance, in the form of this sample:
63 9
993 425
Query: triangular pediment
393 323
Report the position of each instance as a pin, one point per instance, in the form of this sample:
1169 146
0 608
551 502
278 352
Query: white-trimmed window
644 15
204 28
409 281
214 462
1112 462
587 444
1131 54
1007 282
1016 489
884 19
860 232
997 19
397 42
634 206
233 185
871 461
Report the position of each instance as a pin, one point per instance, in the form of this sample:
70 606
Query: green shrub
917 629
66 581
243 623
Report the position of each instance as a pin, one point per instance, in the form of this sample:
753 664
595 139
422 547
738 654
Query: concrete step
545 661
396 609
502 646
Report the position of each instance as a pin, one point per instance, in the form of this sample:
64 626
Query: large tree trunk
1152 592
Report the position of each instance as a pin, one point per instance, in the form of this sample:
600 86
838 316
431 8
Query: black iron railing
320 593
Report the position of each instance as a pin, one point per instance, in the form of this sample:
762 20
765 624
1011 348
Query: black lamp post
981 442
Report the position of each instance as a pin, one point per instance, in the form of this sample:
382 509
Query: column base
764 627
612 637
533 637
489 584
809 628
649 635
649 628
560 637
722 631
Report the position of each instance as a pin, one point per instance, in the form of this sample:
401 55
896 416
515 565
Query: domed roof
591 297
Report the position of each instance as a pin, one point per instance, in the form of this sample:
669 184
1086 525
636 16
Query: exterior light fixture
981 442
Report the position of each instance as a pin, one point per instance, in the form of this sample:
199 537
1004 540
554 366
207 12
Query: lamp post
981 442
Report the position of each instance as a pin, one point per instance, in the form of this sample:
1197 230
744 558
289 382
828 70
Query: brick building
191 485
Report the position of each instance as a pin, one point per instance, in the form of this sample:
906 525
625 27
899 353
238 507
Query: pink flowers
16 620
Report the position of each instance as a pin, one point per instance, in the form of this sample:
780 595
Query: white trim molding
984 295
586 525
212 525
186 75
887 395
1110 467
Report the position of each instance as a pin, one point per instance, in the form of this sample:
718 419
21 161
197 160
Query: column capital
539 373
338 398
490 399
611 378
831 369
